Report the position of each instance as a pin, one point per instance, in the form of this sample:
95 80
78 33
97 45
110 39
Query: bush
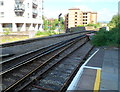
81 26
95 25
107 38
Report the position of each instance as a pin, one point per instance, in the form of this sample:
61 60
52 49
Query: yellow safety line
97 81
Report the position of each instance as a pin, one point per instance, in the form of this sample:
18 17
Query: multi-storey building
77 17
21 15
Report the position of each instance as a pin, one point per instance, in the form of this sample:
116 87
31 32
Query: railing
21 1
35 3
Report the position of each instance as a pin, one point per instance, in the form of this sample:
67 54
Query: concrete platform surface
99 73
109 75
87 80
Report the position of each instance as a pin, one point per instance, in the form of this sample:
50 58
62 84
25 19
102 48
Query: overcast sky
105 8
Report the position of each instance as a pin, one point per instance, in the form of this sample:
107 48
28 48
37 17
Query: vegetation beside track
8 38
111 37
46 33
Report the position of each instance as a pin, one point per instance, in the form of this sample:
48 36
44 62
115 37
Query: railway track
18 60
16 76
59 75
38 39
15 49
15 61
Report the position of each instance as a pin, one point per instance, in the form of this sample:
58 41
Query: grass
46 33
107 38
7 39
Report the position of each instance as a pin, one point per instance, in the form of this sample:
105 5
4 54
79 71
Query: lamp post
59 18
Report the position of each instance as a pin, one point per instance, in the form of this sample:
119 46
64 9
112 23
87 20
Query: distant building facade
21 15
77 17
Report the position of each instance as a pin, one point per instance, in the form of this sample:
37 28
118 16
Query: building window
84 16
75 19
28 5
1 3
28 15
84 19
75 15
84 13
75 12
84 22
67 15
75 22
1 14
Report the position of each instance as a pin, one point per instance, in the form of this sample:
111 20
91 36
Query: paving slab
97 60
107 60
109 75
87 80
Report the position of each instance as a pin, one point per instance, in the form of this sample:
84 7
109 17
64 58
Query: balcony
19 7
35 4
19 1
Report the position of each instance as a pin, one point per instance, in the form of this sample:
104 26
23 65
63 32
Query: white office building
21 15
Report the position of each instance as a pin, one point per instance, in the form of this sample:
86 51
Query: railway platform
98 73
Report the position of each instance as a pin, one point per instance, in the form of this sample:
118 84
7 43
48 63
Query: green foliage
115 22
62 23
6 39
90 25
81 26
45 33
95 25
45 24
6 31
107 38
52 25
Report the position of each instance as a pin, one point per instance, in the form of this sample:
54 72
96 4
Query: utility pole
59 18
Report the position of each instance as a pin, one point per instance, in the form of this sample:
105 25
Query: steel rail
68 80
38 39
36 56
46 68
74 38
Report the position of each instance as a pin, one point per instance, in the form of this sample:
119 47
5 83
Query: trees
62 24
115 22
45 24
95 25
109 38
52 24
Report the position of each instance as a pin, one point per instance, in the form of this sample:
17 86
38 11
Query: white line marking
79 73
89 67
90 58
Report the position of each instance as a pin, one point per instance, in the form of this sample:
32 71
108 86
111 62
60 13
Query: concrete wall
10 15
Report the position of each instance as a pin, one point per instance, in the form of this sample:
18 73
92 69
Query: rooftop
74 9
